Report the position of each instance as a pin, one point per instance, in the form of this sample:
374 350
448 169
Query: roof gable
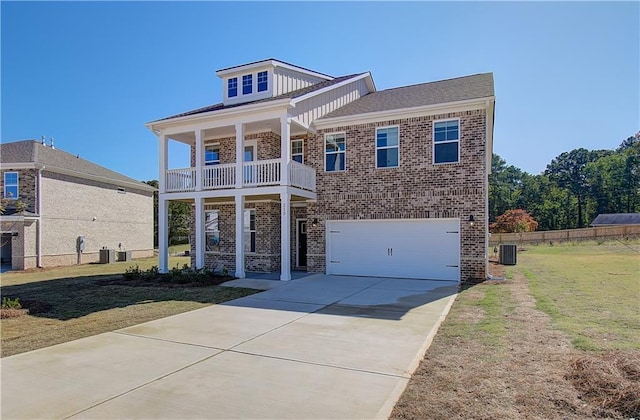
32 151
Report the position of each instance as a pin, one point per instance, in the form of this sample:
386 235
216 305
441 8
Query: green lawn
72 302
591 291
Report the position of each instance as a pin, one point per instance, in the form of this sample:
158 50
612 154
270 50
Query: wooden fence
568 235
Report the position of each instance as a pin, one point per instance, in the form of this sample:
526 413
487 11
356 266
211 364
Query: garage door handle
452 231
452 266
390 252
335 262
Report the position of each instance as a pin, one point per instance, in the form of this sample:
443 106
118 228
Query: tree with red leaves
514 221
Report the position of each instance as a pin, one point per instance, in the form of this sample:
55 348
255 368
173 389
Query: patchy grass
591 291
66 304
501 353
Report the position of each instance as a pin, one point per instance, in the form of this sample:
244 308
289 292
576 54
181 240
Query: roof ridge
435 81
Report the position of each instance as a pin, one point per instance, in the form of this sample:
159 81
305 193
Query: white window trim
257 81
247 229
211 231
17 184
386 147
301 153
433 141
237 89
324 145
211 145
253 87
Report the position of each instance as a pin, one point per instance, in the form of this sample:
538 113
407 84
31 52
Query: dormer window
232 85
262 81
247 84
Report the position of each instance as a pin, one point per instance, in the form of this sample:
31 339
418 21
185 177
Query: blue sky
567 75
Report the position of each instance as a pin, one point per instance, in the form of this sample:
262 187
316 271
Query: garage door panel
417 248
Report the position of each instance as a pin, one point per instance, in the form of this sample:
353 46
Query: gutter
39 231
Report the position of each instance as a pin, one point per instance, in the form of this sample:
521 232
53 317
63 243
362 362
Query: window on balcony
212 154
387 147
446 141
212 230
250 230
335 153
247 84
11 190
297 150
262 81
232 87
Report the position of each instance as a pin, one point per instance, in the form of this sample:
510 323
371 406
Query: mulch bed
165 281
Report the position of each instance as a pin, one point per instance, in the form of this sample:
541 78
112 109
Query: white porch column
240 237
163 162
200 239
285 148
239 156
285 236
163 234
199 159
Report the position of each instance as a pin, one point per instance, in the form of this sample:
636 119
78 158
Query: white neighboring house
65 197
296 169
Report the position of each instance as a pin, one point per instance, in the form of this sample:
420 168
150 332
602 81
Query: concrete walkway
317 347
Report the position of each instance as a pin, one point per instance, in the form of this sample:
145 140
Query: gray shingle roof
32 151
273 59
288 95
616 219
432 93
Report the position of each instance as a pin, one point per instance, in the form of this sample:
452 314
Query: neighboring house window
250 230
334 152
262 81
232 86
387 147
212 155
446 141
11 185
212 230
247 84
297 150
121 190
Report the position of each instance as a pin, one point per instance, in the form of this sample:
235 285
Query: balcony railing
254 174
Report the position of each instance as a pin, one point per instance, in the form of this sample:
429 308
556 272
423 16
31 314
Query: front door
249 156
302 243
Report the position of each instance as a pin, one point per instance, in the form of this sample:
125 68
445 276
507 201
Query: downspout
39 230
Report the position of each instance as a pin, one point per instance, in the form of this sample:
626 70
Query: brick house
296 169
65 197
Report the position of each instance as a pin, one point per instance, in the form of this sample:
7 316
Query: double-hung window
212 155
250 230
11 190
446 141
247 84
387 147
335 152
212 230
232 87
297 150
262 81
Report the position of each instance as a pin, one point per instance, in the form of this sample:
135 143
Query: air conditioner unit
508 254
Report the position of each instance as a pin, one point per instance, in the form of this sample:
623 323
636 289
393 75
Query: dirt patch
610 381
516 372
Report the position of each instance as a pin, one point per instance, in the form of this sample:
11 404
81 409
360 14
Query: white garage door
410 248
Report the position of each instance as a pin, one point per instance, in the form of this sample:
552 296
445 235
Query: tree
514 221
504 183
179 218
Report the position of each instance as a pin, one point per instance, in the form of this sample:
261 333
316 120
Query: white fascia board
301 70
491 106
64 171
219 113
237 192
402 113
329 88
303 125
245 68
20 165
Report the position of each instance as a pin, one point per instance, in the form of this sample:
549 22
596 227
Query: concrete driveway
316 347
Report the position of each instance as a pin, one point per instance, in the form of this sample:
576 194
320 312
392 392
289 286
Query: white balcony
254 174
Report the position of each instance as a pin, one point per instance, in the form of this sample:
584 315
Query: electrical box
80 244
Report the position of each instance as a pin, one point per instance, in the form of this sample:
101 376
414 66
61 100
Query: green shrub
8 303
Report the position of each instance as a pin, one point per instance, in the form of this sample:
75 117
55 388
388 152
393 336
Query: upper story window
11 190
387 147
247 84
232 86
446 141
297 150
262 81
335 152
212 155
